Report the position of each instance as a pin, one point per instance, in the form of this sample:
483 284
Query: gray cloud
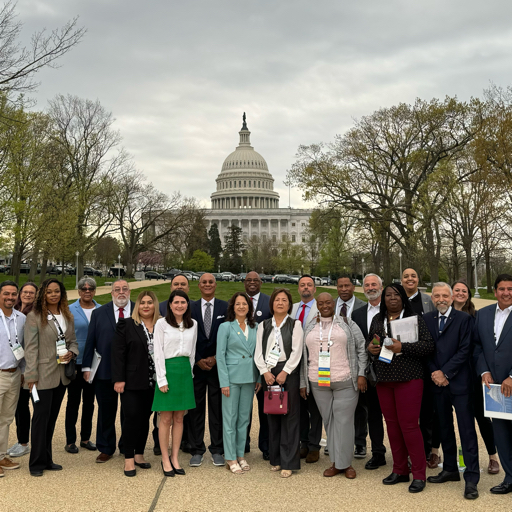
178 76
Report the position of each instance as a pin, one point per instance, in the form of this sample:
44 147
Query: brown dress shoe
304 452
433 461
313 456
494 467
103 457
350 472
7 463
332 471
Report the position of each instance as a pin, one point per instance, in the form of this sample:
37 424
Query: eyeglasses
87 289
119 290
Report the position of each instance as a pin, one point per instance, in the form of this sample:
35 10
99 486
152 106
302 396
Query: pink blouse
340 370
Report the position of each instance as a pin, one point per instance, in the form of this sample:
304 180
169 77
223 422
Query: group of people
336 361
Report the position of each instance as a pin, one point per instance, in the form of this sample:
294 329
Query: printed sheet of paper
405 330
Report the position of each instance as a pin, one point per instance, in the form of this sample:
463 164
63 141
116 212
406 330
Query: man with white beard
368 417
451 385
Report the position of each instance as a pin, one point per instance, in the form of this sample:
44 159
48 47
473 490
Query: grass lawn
225 291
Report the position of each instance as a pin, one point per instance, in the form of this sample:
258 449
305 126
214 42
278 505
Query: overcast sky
178 75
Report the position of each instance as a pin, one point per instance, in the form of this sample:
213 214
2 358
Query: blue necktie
441 324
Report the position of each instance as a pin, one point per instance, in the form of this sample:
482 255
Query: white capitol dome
244 180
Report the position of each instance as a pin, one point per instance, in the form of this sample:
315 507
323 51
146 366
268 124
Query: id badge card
324 368
273 357
18 352
385 355
61 344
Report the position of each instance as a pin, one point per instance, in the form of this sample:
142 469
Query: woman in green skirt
175 348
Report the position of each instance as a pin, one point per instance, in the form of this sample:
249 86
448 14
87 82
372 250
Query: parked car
280 279
325 281
169 274
265 278
240 277
55 270
218 277
151 274
89 271
294 279
317 280
228 276
5 269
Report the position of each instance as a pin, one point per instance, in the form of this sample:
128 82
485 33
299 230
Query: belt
9 370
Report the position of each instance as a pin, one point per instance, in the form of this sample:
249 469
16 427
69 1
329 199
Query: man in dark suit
209 313
451 386
102 329
178 282
368 416
260 302
492 335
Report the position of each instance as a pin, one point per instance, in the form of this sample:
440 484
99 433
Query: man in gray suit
12 365
310 417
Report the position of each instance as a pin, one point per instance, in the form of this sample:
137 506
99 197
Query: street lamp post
76 269
477 295
362 262
119 267
400 255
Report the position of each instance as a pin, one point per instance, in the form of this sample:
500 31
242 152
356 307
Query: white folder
96 360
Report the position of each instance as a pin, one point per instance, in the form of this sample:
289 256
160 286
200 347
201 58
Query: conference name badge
324 368
18 352
273 357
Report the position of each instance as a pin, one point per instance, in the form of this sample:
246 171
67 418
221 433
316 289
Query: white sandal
235 468
275 468
244 464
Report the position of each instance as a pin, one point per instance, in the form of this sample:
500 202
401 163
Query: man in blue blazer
451 386
209 313
260 301
492 336
79 390
102 329
178 282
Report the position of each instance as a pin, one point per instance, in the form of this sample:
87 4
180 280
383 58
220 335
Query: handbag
276 402
370 374
70 369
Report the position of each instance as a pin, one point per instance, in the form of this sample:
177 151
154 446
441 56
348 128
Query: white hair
373 275
440 284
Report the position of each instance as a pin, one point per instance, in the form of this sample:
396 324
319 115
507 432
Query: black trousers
310 423
361 421
503 436
23 417
445 402
263 433
108 401
427 414
197 417
484 424
284 429
137 411
375 420
46 412
79 390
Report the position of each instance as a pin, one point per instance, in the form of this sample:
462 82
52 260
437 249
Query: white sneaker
18 450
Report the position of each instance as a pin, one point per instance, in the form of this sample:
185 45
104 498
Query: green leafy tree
200 261
214 244
232 259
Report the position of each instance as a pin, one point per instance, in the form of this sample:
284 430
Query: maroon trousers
401 403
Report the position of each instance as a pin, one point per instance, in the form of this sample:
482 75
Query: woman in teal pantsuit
236 341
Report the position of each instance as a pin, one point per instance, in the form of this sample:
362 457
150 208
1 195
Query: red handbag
276 402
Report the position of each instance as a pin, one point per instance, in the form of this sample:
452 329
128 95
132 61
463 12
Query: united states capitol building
245 197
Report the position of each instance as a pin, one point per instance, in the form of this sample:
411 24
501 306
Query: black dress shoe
179 471
36 472
375 462
88 446
360 452
131 472
417 486
167 473
266 456
394 478
71 448
186 447
470 492
54 467
444 476
143 465
503 488
157 451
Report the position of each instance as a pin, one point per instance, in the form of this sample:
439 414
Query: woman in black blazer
134 376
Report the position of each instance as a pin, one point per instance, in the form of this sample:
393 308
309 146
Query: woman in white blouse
277 356
175 348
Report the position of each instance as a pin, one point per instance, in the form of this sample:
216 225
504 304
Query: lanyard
7 329
149 335
59 328
277 331
386 323
329 342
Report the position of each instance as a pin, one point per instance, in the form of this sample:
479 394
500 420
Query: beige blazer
41 352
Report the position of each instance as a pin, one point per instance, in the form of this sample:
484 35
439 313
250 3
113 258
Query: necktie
343 310
208 319
121 312
302 313
441 323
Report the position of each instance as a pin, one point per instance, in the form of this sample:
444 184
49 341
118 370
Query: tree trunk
44 267
33 264
469 267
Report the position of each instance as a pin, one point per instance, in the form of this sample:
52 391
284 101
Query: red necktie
121 312
301 316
